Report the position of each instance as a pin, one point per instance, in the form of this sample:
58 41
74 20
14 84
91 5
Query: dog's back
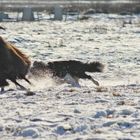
74 68
61 68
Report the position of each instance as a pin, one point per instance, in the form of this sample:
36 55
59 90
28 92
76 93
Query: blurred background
99 6
29 10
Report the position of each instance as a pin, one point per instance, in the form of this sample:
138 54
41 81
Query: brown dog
13 64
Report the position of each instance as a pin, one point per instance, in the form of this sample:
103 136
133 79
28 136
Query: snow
60 111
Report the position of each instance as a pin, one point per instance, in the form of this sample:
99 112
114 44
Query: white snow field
63 112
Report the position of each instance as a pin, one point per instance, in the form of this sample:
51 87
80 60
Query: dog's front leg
71 80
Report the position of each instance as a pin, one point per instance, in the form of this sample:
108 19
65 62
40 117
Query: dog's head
39 65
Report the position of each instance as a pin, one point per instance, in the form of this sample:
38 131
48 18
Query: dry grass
101 89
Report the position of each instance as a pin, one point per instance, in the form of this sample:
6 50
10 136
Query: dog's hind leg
95 82
90 78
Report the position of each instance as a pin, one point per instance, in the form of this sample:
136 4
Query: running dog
68 70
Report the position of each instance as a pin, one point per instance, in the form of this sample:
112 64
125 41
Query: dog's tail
95 67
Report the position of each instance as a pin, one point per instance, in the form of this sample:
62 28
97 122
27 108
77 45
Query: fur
13 65
75 68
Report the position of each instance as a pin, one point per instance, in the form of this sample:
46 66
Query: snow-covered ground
62 112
